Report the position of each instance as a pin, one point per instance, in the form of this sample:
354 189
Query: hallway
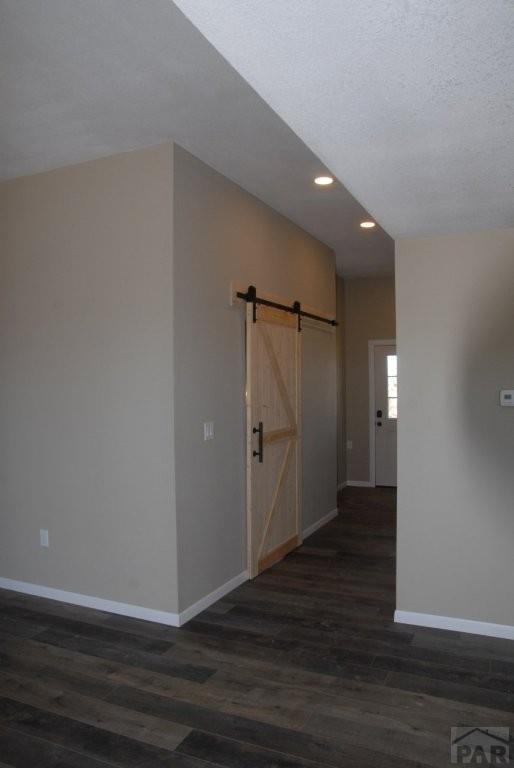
301 667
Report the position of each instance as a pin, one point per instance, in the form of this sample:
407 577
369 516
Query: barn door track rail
295 309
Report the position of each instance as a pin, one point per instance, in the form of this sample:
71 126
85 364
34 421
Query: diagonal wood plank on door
273 507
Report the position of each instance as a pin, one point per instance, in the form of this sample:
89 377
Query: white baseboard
178 619
456 625
360 483
87 601
212 597
342 485
319 523
125 609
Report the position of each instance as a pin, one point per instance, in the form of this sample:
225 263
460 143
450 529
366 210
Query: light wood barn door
273 454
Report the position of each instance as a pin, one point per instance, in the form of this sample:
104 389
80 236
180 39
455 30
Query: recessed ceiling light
323 181
368 224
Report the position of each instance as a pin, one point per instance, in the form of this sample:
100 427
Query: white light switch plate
208 430
507 397
44 538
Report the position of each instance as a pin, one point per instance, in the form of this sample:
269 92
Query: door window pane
392 387
391 365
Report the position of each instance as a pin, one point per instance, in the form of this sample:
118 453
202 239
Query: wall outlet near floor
208 430
44 538
349 445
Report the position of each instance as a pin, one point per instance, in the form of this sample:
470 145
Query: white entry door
386 413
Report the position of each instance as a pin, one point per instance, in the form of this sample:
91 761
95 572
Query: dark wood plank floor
301 667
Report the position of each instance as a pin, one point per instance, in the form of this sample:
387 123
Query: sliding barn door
273 439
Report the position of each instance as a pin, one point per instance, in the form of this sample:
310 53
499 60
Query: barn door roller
295 309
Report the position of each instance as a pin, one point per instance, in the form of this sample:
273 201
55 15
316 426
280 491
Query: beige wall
455 307
222 234
93 370
341 383
369 314
85 389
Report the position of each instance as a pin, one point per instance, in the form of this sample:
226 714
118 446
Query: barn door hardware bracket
251 297
298 310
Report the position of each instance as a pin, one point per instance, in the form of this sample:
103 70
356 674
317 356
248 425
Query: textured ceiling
81 79
410 102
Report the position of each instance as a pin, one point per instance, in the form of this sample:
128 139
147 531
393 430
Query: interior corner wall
455 309
86 386
224 234
369 314
341 388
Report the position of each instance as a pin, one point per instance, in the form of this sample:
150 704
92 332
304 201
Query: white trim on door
371 384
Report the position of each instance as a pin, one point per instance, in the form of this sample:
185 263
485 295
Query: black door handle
379 414
260 431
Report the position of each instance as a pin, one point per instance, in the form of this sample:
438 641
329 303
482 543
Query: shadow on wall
488 367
